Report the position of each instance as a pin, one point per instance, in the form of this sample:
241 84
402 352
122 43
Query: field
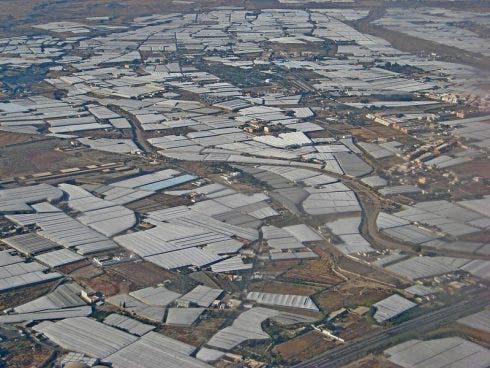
98 280
9 139
141 273
303 347
474 168
282 288
23 353
355 326
72 267
156 202
199 334
16 297
350 295
373 131
317 271
40 156
122 278
349 266
469 189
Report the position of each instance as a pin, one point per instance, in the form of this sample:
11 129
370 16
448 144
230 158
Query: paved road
357 349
